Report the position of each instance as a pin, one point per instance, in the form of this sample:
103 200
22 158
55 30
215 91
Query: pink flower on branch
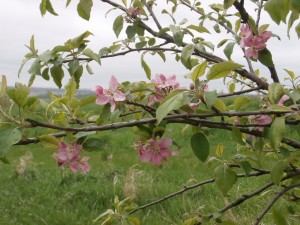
155 151
111 95
164 85
253 43
68 155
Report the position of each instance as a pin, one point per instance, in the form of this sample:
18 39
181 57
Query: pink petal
62 146
145 155
266 35
74 166
112 105
99 90
102 99
119 96
165 153
156 159
283 99
113 83
165 142
84 166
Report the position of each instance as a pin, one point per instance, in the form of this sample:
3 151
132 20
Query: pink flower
111 95
253 43
134 11
283 99
155 151
164 85
260 119
68 155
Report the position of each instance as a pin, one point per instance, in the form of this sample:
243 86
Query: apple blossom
155 151
164 85
111 95
69 155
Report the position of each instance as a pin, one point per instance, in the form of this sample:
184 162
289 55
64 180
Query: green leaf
70 89
277 172
77 75
278 9
276 91
222 69
210 98
43 7
146 68
293 17
114 48
162 55
73 66
187 51
45 73
57 74
200 146
118 25
228 3
3 86
265 57
77 41
174 101
89 53
297 29
280 215
200 29
35 68
89 69
8 137
199 71
84 8
130 31
277 132
141 44
225 178
241 103
279 108
46 56
229 49
237 136
50 8
19 94
220 105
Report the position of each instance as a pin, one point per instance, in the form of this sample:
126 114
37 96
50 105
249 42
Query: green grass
46 194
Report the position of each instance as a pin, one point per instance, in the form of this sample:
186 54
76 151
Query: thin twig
239 92
152 14
277 196
260 6
186 188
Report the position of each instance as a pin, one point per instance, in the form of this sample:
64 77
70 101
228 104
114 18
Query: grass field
36 191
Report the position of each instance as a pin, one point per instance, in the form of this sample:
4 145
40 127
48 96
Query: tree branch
277 196
187 188
152 14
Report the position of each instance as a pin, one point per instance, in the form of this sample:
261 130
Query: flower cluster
111 95
253 43
199 87
134 12
164 85
68 155
155 151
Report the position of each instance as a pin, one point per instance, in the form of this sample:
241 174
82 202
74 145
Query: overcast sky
19 19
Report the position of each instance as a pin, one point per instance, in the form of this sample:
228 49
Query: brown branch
239 92
152 14
186 188
277 196
147 108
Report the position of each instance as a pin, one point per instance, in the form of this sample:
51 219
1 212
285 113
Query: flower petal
119 96
165 143
113 83
99 90
102 99
156 159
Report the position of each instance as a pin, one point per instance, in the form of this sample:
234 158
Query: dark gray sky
19 19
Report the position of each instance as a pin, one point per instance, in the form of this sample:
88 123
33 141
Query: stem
277 196
187 188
